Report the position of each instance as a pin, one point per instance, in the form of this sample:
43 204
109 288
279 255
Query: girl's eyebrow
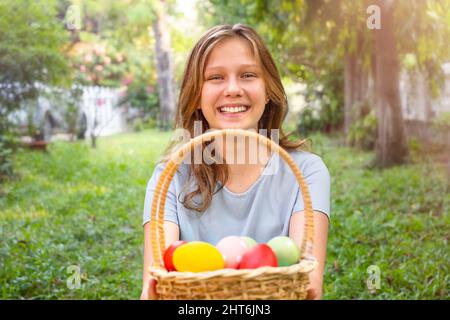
240 66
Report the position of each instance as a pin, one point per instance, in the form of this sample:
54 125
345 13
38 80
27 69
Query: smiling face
234 92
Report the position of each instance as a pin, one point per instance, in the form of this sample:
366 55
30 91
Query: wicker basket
249 284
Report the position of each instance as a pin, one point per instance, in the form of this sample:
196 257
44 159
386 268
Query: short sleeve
318 179
170 210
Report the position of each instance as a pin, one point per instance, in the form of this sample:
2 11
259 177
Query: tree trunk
94 126
349 78
425 80
164 66
391 147
356 79
93 140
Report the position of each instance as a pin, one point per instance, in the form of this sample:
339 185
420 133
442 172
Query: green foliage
6 165
309 122
143 97
8 144
77 206
70 99
147 122
442 122
32 41
120 32
31 54
113 49
100 65
363 132
416 149
323 111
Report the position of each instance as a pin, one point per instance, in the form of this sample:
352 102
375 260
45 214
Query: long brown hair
207 176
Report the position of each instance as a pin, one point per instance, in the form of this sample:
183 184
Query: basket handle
157 213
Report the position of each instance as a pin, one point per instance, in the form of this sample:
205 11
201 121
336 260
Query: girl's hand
149 291
315 288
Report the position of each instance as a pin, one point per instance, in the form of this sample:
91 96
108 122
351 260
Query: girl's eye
245 76
215 78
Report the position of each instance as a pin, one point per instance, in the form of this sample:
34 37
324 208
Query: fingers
149 291
310 294
152 289
313 294
144 295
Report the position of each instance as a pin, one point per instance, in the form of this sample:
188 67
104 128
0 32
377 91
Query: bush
7 145
363 133
442 122
147 122
309 121
5 161
416 149
142 97
322 113
32 41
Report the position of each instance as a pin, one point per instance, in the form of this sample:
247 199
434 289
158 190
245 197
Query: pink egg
232 249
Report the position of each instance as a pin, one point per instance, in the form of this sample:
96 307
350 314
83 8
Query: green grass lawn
75 206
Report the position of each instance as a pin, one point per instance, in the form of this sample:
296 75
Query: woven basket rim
304 266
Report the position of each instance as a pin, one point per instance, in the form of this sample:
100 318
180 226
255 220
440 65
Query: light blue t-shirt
262 212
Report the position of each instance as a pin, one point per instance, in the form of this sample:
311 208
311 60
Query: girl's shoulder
182 170
305 156
308 161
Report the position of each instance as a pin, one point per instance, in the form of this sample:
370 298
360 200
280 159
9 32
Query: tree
31 56
391 147
31 53
164 64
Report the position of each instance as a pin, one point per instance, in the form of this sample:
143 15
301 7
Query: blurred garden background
88 90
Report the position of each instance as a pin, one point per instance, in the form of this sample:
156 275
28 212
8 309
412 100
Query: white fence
99 104
98 112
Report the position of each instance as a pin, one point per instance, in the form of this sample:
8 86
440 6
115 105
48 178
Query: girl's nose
233 89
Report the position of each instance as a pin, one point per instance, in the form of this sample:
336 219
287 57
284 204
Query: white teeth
233 109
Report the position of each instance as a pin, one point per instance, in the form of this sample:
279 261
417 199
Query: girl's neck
242 176
244 158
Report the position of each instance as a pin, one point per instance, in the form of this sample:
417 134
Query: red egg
260 255
168 254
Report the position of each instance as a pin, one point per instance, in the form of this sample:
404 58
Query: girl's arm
171 233
296 231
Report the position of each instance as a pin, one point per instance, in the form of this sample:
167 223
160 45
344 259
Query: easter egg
168 254
249 241
197 256
260 255
232 249
285 249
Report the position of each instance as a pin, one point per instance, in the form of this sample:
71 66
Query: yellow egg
197 256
